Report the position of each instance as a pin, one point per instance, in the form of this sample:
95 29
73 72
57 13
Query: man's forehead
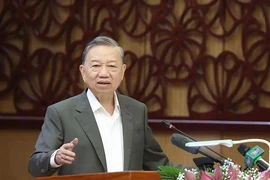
100 61
99 53
104 50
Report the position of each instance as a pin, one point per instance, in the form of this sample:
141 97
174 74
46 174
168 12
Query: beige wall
15 149
17 145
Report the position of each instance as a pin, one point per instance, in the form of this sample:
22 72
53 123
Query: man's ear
81 68
123 70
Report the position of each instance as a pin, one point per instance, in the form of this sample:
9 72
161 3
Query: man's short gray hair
102 41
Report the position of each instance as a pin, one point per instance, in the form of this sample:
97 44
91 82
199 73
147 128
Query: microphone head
180 141
253 155
243 149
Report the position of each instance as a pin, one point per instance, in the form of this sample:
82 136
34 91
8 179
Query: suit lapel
126 116
86 119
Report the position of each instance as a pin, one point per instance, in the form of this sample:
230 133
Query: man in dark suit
99 130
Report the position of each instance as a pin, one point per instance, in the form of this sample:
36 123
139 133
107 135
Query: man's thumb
74 142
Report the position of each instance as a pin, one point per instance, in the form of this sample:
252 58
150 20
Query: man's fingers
67 158
63 161
66 152
69 154
64 156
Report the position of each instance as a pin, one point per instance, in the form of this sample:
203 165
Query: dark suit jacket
73 118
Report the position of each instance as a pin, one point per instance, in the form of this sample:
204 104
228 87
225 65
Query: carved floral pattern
41 43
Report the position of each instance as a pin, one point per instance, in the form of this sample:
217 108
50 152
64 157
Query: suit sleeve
49 140
153 154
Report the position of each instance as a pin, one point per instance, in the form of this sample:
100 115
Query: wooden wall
188 61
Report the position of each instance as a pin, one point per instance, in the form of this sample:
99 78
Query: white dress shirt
111 131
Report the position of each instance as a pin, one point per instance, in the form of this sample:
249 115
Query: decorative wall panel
187 59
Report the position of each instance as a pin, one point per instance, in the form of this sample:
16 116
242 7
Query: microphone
170 126
180 141
253 156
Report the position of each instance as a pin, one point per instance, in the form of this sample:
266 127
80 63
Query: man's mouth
104 83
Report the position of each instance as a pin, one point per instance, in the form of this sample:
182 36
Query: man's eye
111 66
95 65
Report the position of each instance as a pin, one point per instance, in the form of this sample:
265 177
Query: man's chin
104 90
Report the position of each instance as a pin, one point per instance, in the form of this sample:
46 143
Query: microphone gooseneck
170 126
180 140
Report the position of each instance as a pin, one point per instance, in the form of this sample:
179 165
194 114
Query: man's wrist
52 160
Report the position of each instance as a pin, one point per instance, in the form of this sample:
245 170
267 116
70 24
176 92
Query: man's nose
104 71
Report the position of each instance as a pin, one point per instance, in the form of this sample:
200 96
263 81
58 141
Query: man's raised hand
65 154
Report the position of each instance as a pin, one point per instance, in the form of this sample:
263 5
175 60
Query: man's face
103 69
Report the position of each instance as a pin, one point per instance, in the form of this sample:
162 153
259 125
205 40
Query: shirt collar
95 104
